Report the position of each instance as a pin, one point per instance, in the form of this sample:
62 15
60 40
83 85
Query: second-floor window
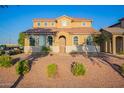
52 23
38 24
64 23
45 24
83 24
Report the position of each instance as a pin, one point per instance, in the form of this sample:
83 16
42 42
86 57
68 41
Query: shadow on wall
86 50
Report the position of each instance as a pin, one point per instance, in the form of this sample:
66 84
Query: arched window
64 23
38 24
83 24
75 40
32 41
50 40
45 24
89 40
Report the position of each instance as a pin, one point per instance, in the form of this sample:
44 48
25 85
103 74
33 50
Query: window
52 23
38 24
75 40
50 40
64 23
83 24
32 41
89 40
45 24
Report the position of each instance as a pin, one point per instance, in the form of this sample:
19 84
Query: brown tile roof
44 19
54 19
84 30
80 19
121 19
115 30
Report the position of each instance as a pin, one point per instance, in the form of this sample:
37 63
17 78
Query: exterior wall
59 25
35 24
26 42
71 24
69 37
70 47
122 23
87 48
38 49
79 24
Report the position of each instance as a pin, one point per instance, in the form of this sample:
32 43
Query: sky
16 19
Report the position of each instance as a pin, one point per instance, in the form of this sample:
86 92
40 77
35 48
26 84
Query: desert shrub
46 49
122 68
5 61
78 69
17 51
22 67
52 70
2 52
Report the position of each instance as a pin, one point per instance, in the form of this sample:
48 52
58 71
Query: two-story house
63 34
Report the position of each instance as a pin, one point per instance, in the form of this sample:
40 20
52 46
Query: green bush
78 69
2 52
122 68
46 49
5 61
22 67
52 70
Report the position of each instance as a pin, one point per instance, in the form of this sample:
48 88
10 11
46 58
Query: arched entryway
62 44
119 44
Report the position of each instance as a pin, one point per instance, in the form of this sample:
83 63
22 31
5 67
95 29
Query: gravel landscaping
98 73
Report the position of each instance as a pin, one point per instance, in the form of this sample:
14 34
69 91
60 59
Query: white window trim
53 24
46 23
82 24
73 40
65 22
38 23
47 39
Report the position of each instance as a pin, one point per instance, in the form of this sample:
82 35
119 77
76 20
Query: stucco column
26 43
110 47
106 46
27 49
114 44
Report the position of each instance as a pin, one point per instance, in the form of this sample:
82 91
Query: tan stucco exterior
58 23
71 23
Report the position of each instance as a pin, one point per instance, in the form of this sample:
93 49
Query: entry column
114 44
123 43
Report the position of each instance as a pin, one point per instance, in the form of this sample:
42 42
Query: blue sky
16 19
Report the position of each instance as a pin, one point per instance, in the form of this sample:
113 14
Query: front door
62 44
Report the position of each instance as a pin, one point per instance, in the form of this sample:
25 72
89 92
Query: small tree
99 39
21 39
